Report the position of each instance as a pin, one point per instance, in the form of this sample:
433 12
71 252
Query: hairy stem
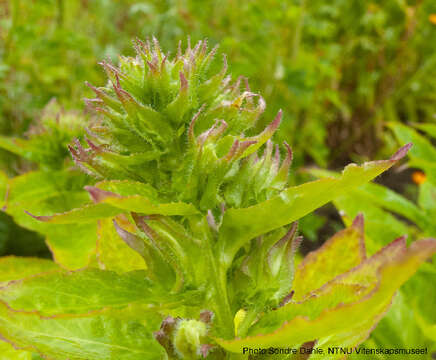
219 276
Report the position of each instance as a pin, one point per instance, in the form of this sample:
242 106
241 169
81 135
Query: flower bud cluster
179 127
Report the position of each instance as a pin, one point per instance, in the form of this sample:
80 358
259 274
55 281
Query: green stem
216 276
250 316
219 278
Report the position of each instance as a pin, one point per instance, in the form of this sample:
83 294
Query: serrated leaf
96 337
109 204
88 213
386 198
379 223
238 226
142 205
378 204
383 273
128 187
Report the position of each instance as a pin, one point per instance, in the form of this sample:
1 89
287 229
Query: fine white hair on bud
154 102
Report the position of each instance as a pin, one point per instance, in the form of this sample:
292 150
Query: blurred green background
341 70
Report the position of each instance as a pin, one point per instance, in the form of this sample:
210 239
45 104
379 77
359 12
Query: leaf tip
287 298
359 221
130 239
97 195
39 218
402 152
359 225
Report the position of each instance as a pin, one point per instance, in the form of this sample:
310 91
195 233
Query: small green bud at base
189 337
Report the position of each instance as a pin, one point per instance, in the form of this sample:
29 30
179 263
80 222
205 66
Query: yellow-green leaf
72 245
80 292
15 268
93 337
108 204
112 252
339 254
241 225
7 352
382 274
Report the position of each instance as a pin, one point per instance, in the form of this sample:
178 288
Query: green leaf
422 307
380 224
47 192
428 128
422 147
92 337
423 153
127 188
109 204
111 207
238 226
15 268
399 328
112 252
72 245
427 199
429 329
7 352
386 198
81 292
88 213
38 186
13 145
142 205
339 254
379 277
379 204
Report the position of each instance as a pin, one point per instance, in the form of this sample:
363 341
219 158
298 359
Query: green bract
191 232
172 124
